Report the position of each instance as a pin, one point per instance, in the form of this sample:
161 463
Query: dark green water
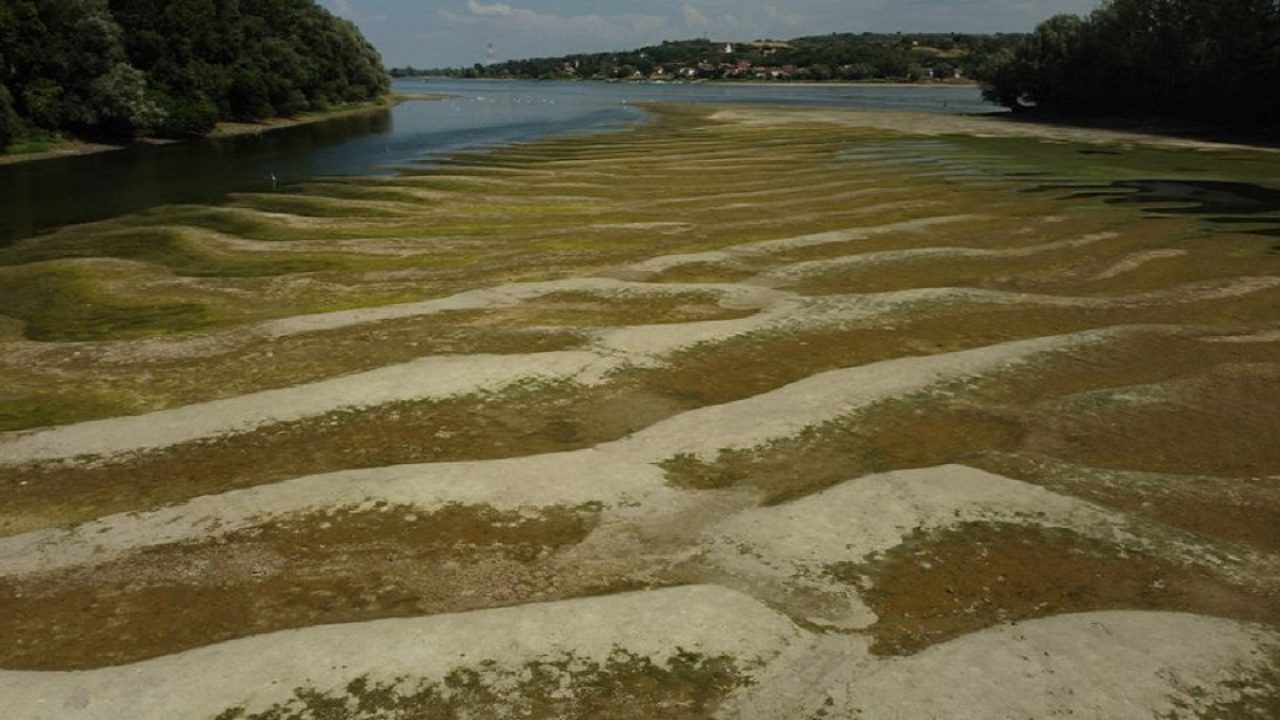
46 194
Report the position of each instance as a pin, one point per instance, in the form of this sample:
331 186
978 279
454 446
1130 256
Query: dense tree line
1214 60
121 68
838 56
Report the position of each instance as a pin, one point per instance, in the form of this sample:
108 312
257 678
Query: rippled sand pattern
736 414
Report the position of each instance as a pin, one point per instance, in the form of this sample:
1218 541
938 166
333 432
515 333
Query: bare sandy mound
436 376
447 376
1115 665
1095 665
621 472
791 545
654 266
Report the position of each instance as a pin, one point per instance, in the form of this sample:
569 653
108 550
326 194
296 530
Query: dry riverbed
736 414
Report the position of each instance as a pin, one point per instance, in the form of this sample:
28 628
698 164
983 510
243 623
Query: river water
38 196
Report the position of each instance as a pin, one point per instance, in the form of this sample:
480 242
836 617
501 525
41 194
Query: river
39 196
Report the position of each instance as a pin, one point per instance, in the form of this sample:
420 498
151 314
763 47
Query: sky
451 33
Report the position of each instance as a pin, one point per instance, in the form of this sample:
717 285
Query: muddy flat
732 414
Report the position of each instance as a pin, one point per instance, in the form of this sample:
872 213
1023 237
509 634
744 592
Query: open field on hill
736 413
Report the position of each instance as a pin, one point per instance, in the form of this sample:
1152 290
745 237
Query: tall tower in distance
491 58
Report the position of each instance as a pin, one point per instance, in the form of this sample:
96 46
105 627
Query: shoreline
754 83
76 148
1167 130
1000 124
60 149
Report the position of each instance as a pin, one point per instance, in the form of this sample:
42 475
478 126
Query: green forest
1206 60
838 56
124 68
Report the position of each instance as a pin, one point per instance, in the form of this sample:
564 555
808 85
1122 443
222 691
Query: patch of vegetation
525 419
577 309
626 686
51 408
941 584
166 247
316 206
344 565
893 435
30 147
88 391
63 305
1255 693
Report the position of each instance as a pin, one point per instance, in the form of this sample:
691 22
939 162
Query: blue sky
435 33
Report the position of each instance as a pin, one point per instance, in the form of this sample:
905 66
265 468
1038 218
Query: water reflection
40 195
1242 207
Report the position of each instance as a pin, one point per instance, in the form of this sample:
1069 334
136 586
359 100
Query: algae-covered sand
736 413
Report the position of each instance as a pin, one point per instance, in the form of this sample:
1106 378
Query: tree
121 105
177 66
10 124
1198 59
186 115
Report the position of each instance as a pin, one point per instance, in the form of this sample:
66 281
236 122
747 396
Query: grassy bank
60 147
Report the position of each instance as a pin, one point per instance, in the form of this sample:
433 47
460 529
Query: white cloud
567 32
447 32
496 9
694 17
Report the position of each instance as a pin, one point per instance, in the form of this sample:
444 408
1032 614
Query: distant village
747 68
839 57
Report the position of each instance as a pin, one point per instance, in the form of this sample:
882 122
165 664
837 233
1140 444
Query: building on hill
767 47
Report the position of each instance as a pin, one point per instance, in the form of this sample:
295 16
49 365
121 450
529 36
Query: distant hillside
133 67
846 56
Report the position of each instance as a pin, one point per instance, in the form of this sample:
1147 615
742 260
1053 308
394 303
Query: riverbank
1181 130
729 83
70 147
232 129
58 148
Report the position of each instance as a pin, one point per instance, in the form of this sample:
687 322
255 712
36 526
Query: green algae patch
523 420
626 686
1254 695
941 584
64 304
582 309
366 189
341 565
171 248
894 435
1209 424
89 389
23 412
318 206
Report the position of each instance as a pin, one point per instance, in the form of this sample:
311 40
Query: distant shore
680 81
871 83
72 148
